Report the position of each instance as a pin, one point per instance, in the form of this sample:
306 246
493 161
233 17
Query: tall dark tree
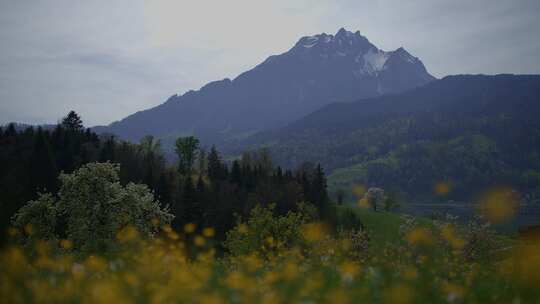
43 165
216 170
236 173
192 211
72 122
186 149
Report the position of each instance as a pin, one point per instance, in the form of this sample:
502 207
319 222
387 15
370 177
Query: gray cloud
107 59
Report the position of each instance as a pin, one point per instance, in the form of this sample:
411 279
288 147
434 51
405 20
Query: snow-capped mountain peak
343 40
364 58
316 71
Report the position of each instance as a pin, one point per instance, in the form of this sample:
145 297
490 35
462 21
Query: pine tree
163 190
186 149
236 173
202 160
318 192
192 211
72 122
215 166
42 165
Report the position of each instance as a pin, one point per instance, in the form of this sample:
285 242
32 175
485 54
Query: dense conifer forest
198 188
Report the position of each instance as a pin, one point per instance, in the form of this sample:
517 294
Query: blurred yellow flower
314 232
349 270
499 205
527 261
127 234
420 236
131 279
237 280
167 228
173 235
96 264
243 228
252 262
209 232
449 234
107 292
442 188
363 203
338 296
210 299
359 190
43 248
189 228
28 229
66 244
199 241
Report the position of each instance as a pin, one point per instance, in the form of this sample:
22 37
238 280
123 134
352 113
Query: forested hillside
469 132
198 187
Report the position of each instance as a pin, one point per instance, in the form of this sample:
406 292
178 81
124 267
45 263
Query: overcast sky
108 59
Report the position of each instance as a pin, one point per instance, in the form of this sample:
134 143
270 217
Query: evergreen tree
186 149
215 166
192 211
72 122
236 173
202 160
43 165
163 190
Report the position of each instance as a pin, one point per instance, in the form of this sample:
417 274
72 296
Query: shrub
264 233
94 206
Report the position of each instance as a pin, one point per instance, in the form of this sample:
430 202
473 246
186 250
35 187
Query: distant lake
527 215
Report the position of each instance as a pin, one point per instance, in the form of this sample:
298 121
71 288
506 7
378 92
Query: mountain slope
318 70
472 131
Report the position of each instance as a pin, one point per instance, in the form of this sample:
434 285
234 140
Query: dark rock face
318 70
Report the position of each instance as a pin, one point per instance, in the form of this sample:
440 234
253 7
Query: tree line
200 187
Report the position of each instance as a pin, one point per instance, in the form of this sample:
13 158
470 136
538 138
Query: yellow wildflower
313 232
359 190
189 228
448 233
66 244
199 241
442 188
499 205
243 228
420 236
209 232
127 234
349 270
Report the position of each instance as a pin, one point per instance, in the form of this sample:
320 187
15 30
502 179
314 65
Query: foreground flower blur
430 264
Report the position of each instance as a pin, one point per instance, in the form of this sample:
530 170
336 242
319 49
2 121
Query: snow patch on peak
374 60
309 41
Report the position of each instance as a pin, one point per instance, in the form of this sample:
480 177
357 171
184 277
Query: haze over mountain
316 71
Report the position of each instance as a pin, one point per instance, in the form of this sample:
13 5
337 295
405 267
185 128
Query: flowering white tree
95 207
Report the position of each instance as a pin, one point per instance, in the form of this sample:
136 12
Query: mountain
471 131
318 70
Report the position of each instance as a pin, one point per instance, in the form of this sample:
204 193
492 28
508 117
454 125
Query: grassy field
285 259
